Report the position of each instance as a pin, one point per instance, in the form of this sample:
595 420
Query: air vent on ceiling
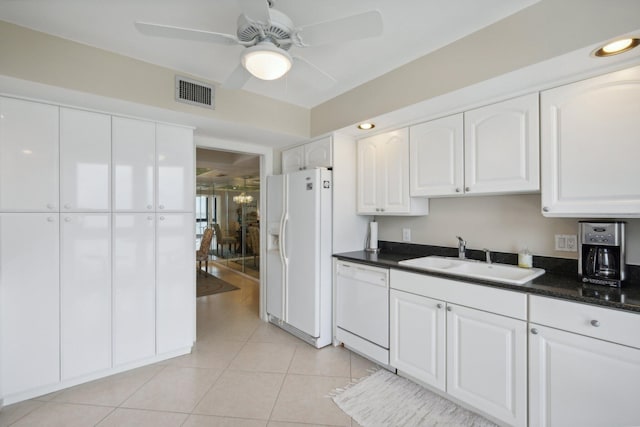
194 92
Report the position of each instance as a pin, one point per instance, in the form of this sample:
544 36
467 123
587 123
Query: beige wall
499 223
545 30
41 58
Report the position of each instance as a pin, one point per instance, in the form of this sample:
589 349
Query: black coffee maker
602 255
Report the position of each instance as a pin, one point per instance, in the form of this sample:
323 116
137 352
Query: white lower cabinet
175 284
85 294
418 328
134 287
467 340
487 362
581 381
584 365
29 294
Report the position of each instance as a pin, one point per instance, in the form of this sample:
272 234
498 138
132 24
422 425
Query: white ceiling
412 28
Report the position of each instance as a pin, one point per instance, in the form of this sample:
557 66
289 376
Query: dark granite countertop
560 280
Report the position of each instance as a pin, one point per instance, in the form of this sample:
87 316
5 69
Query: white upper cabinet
590 143
175 168
383 176
85 293
293 159
502 147
490 150
28 156
29 301
85 161
134 148
312 155
437 156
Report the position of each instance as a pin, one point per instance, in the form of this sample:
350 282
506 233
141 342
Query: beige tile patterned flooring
242 372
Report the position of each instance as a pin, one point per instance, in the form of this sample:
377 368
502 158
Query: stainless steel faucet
462 248
487 252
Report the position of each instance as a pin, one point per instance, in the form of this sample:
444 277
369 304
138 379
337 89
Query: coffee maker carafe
601 257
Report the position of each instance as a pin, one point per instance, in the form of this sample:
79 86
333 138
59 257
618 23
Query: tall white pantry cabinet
96 245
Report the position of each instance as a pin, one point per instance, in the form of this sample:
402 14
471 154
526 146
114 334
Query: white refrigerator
299 268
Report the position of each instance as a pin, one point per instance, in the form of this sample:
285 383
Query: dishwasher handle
377 278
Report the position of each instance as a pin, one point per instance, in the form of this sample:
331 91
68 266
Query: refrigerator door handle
285 266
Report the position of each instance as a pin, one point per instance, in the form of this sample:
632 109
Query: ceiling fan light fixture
266 61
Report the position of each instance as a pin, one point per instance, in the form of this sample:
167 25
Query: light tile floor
242 372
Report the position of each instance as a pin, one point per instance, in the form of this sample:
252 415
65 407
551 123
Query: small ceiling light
266 61
366 126
617 47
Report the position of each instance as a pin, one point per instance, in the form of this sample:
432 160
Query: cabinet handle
381 209
467 189
534 331
50 206
161 206
50 219
161 218
457 190
149 217
449 308
67 205
545 209
149 206
595 323
67 219
439 305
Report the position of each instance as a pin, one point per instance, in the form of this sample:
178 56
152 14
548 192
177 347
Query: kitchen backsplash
498 223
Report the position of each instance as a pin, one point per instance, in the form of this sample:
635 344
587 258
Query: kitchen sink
494 272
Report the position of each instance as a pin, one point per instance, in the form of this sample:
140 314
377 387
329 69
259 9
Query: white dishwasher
362 309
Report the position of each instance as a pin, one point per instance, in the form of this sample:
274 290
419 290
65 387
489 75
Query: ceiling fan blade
237 79
361 26
326 80
255 10
170 31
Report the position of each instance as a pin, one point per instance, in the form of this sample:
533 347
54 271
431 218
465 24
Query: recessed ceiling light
617 46
366 126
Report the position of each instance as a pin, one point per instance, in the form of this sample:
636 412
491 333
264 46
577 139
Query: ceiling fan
267 35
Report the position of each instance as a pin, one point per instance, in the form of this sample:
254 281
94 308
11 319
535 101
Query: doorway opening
228 202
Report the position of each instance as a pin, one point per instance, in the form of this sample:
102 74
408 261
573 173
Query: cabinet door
175 163
28 156
417 329
487 362
502 147
318 153
293 159
368 152
436 157
175 282
394 168
85 161
134 283
29 301
580 381
85 272
134 153
589 139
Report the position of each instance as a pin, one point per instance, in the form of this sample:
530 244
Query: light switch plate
406 234
566 242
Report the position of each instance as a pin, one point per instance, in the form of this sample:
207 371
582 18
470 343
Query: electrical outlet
406 234
566 242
